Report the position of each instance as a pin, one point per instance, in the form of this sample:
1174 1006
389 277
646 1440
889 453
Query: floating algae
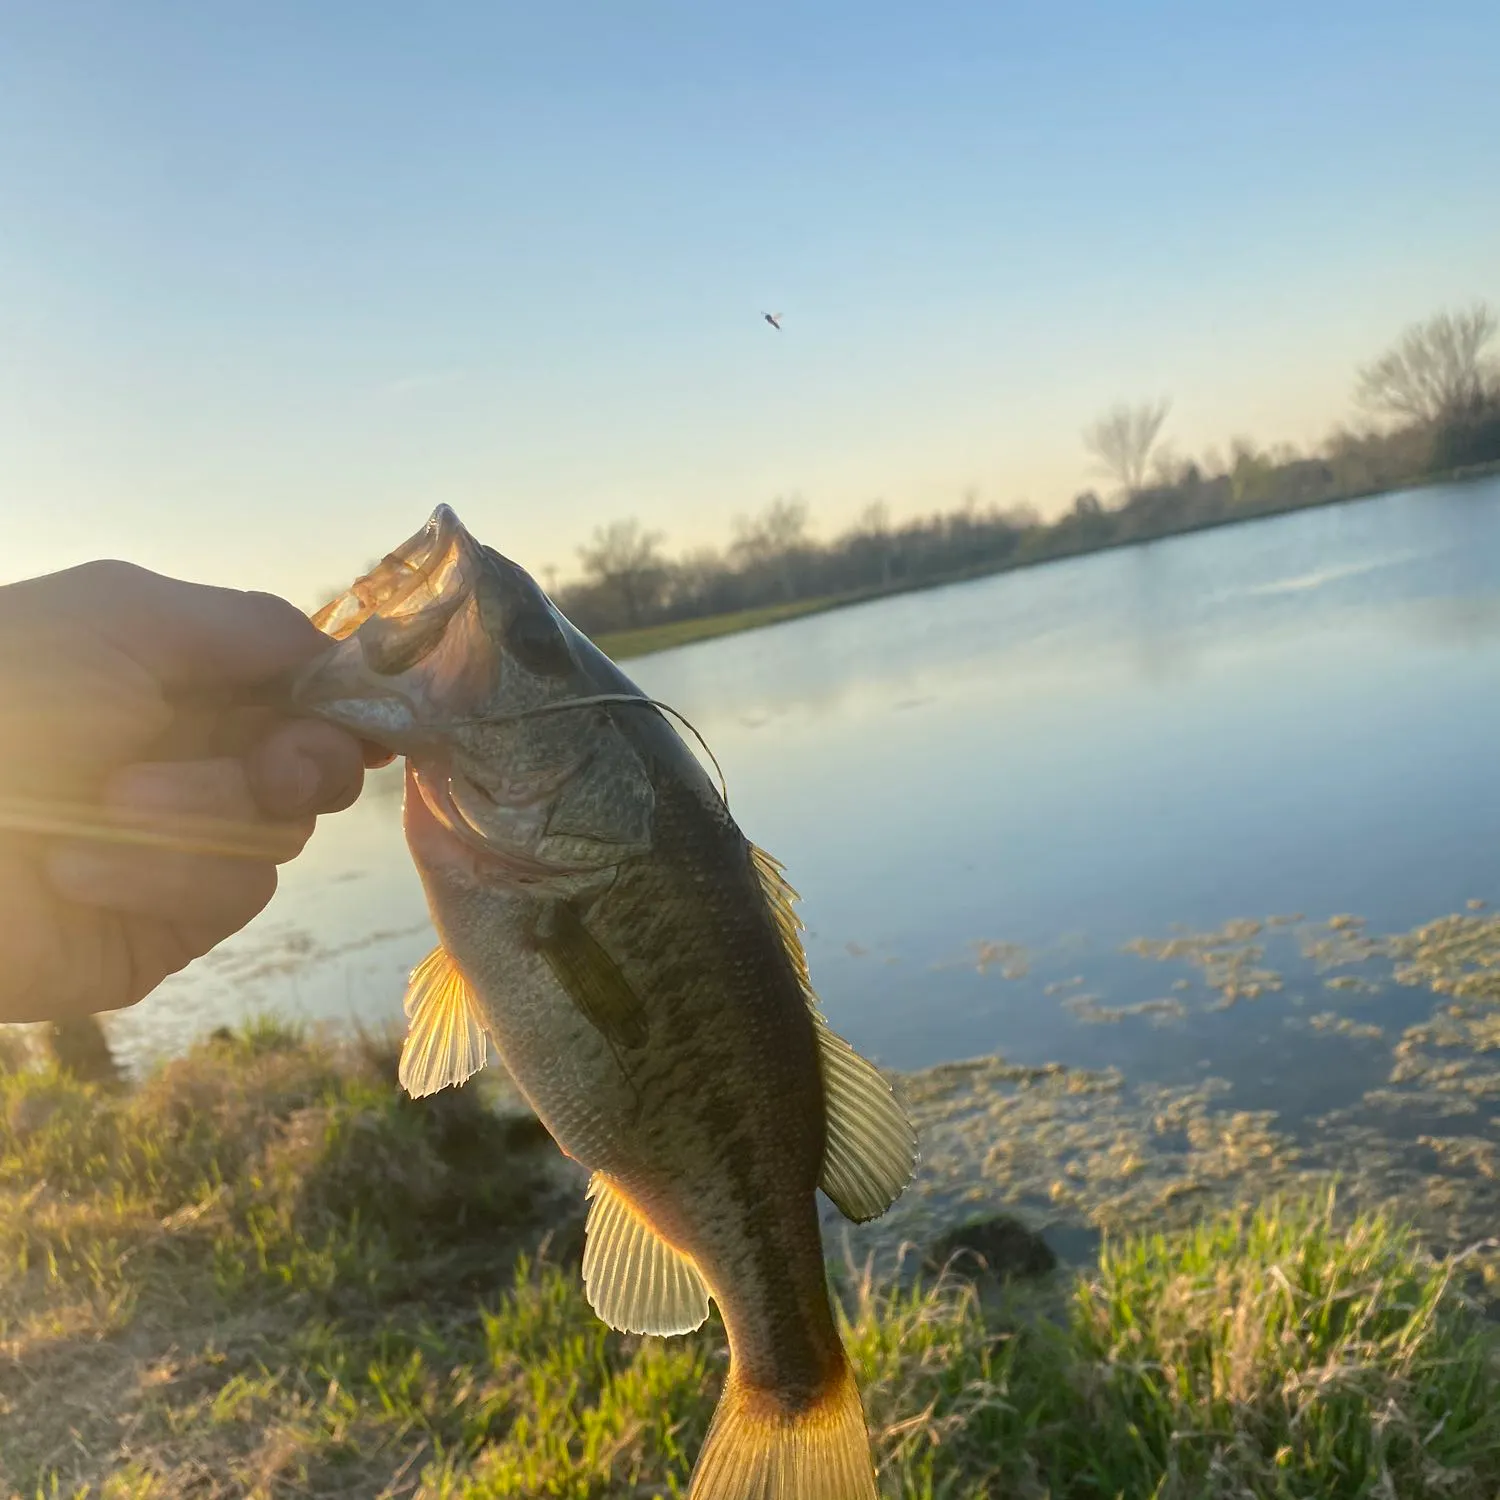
1339 943
1331 1021
1231 959
1352 984
1010 960
1090 1009
1075 1149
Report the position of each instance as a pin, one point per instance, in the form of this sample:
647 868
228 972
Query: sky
277 278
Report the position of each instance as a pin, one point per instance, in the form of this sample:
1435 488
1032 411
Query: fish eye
534 639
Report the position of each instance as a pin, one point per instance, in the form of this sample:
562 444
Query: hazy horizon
275 282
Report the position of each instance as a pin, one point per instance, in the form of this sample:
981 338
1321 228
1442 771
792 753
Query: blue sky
276 278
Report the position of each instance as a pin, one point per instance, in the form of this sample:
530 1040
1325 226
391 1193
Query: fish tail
760 1447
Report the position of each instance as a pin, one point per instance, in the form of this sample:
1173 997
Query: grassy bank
622 644
265 1272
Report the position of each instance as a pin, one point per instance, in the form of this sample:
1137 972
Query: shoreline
648 640
265 1264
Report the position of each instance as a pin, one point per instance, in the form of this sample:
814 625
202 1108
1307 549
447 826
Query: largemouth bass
635 962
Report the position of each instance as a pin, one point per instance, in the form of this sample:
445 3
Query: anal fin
634 1280
445 1037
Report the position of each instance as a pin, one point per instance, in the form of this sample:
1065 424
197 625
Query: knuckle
110 576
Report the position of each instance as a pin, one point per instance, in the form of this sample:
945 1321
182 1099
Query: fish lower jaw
387 722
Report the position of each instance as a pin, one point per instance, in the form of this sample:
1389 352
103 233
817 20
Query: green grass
267 1273
621 644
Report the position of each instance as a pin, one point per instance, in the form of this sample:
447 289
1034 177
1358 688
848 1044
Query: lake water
985 792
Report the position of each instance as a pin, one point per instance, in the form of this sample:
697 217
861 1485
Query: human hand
144 801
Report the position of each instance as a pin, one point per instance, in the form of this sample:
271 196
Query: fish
635 962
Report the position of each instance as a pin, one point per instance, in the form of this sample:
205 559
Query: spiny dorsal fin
782 901
634 1280
871 1151
445 1037
592 979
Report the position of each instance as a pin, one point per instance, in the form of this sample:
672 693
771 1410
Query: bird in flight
774 319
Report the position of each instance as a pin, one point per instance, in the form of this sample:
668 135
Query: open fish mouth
413 645
430 570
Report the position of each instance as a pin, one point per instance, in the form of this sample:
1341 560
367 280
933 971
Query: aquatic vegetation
1331 1021
989 956
1009 958
1231 959
1160 1012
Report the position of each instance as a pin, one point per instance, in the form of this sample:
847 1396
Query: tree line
1430 405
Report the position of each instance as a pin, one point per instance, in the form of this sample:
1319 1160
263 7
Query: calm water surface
1299 716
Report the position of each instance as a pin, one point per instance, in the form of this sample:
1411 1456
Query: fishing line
181 833
227 838
548 708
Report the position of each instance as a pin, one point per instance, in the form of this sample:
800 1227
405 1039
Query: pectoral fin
591 977
445 1037
871 1149
635 1281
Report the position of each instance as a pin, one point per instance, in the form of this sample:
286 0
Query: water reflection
1298 714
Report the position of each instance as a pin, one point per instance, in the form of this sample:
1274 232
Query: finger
205 807
305 766
218 896
201 733
216 792
187 635
72 700
376 756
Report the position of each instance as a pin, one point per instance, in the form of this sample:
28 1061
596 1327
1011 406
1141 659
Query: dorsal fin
445 1037
782 900
871 1150
634 1280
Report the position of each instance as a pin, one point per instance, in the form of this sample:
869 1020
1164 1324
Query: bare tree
871 536
1122 441
1437 373
627 560
779 528
773 540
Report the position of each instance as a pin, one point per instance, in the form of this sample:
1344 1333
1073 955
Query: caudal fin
757 1449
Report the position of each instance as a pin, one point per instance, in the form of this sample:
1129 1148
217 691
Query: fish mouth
410 644
427 569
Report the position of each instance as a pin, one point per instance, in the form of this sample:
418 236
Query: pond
1274 743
